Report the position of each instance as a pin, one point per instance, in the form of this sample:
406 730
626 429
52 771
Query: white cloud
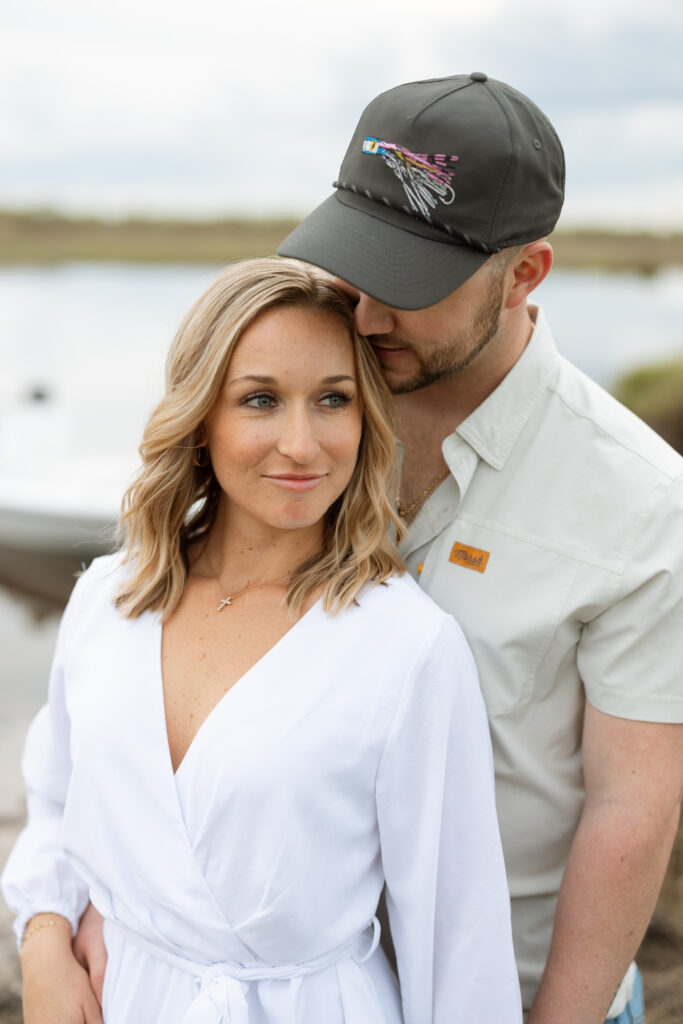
151 105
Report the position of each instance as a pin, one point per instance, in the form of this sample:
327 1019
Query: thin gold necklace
404 512
265 583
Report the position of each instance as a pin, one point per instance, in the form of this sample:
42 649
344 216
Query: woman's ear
529 268
201 435
202 456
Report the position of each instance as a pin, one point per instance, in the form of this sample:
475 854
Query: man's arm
634 783
90 950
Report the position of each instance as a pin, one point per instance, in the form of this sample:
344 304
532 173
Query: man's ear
529 268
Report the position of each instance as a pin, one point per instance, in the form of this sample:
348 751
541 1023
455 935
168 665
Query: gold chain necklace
231 597
404 512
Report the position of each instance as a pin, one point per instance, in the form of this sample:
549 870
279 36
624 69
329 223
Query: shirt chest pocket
509 595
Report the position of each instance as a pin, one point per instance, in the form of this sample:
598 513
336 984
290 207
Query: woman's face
285 430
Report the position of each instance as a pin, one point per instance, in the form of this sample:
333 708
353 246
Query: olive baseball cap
439 175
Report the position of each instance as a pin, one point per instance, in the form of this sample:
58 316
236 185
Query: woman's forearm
40 922
56 989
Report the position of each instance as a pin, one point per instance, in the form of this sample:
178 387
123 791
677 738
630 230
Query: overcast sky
215 107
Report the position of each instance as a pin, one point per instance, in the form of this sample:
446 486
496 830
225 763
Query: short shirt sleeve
630 656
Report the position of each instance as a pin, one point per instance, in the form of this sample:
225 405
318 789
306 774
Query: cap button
478 76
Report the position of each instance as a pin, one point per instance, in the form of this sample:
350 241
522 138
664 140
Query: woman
255 721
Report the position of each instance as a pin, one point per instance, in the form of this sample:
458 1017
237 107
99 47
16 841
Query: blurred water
93 337
608 323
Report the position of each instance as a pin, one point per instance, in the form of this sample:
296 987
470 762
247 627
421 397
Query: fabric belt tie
221 987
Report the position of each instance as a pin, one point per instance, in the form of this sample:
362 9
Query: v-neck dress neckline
231 695
242 888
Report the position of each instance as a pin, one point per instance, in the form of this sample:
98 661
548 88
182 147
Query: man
542 514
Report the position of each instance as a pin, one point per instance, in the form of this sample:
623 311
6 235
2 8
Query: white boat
53 525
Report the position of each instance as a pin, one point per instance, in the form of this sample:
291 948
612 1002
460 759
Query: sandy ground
27 645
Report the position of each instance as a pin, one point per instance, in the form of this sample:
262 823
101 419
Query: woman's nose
298 440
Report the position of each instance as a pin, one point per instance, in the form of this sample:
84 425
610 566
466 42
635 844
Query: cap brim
392 264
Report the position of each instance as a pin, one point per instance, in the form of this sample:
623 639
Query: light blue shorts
634 1012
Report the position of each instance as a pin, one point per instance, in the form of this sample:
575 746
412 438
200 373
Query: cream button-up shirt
557 544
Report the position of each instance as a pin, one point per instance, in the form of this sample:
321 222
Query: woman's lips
296 483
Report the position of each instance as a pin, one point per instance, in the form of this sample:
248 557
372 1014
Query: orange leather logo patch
470 558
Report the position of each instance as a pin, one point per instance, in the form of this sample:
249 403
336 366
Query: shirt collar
494 426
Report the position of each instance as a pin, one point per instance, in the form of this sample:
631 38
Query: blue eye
336 399
260 401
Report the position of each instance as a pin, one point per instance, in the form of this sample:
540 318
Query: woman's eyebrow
255 378
326 381
338 378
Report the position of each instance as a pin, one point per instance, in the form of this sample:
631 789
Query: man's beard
450 359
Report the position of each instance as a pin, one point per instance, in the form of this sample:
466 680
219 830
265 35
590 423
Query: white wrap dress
243 889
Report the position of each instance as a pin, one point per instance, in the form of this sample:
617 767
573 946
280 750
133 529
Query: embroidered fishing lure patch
425 177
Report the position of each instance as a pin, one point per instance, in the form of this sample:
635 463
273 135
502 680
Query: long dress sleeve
447 894
38 878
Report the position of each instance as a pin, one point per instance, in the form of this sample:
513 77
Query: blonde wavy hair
173 502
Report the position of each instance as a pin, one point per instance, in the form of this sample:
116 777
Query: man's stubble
450 357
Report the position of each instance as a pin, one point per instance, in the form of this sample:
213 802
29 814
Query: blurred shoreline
44 236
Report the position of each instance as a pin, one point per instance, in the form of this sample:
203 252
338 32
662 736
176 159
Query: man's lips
387 351
294 481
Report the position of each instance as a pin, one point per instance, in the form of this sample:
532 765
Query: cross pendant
224 602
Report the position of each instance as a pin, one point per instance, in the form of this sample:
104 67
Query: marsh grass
655 393
48 237
633 251
44 237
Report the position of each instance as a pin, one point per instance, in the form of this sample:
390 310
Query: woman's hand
57 989
89 948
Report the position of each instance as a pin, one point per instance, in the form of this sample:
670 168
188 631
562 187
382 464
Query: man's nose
372 316
298 440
